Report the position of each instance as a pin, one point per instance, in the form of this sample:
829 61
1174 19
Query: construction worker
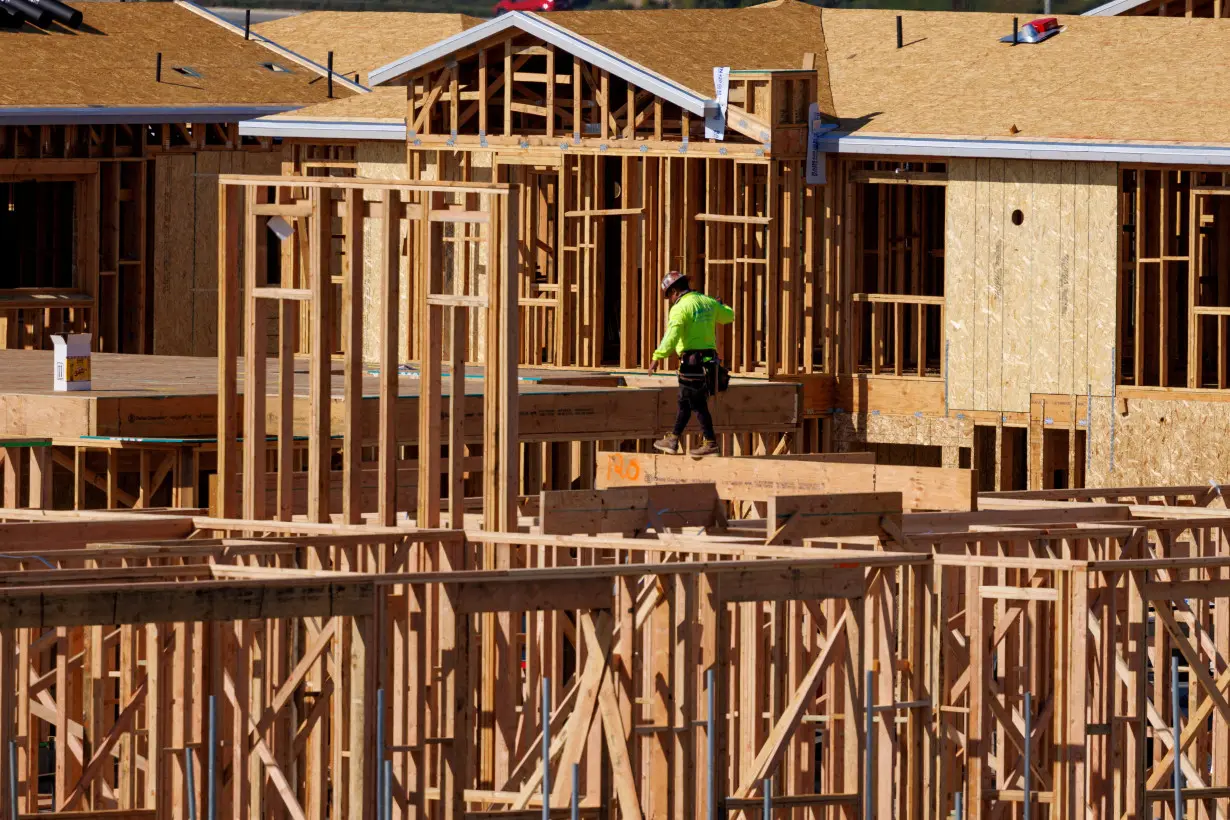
691 332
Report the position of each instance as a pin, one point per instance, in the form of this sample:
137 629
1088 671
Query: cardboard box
72 361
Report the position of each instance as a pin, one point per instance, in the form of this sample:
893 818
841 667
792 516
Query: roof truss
516 85
600 58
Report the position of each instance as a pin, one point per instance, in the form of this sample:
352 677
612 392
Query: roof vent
188 71
27 11
1033 32
59 12
277 69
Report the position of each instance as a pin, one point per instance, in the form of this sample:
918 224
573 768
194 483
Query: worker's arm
674 330
724 314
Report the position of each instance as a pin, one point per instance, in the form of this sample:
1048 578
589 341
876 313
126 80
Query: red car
532 5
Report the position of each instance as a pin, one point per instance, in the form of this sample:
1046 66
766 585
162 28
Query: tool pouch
694 380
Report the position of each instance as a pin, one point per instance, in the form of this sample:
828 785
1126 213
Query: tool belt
701 373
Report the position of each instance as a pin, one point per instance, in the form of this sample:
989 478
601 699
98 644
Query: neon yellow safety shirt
692 325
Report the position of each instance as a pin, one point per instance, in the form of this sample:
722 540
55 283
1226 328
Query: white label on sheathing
816 158
715 116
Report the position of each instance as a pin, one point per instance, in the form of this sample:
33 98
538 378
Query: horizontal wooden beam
734 219
787 583
34 168
343 183
535 596
287 294
107 814
68 534
297 209
753 479
628 509
896 298
901 178
205 601
1006 593
795 518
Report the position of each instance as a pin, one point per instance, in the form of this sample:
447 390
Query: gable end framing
561 38
514 85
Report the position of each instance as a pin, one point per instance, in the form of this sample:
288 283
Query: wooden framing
132 243
875 639
391 623
428 212
104 473
1174 280
618 186
396 572
922 303
894 274
294 627
1178 8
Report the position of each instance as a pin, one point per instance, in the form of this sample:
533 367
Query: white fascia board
137 115
561 38
324 130
1004 149
282 51
1113 8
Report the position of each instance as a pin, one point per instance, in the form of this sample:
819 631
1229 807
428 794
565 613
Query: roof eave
324 130
136 115
561 38
845 143
1113 8
835 142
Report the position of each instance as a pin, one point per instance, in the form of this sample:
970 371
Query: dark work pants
695 376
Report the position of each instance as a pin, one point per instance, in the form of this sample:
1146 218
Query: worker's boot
667 444
706 448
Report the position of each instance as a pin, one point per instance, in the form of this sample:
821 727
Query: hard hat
671 279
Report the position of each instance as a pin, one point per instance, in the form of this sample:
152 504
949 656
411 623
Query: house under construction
972 274
397 548
110 134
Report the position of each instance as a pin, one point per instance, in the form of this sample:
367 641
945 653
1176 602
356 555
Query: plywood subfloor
176 397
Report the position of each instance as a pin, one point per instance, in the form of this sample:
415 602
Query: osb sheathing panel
1100 248
110 62
1030 307
852 429
953 78
381 160
381 105
185 220
62 415
1102 78
1020 289
965 297
388 160
362 40
173 252
1159 442
685 44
